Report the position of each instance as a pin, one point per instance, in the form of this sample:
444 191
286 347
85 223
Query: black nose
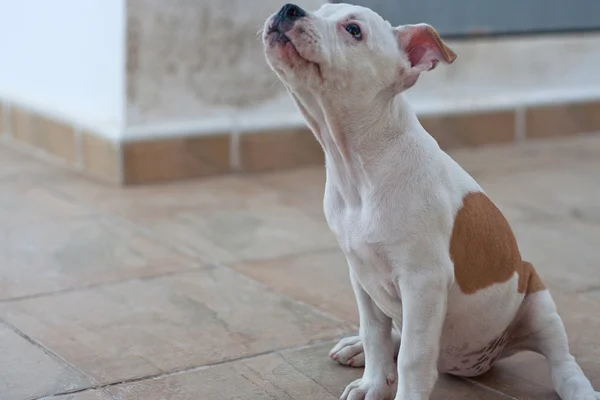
285 18
291 12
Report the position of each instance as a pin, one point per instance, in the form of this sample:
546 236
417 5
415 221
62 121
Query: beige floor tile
229 234
222 220
17 165
297 180
303 188
264 378
315 363
564 253
498 160
152 199
141 328
526 375
320 279
593 294
549 194
306 374
55 235
26 371
87 395
53 256
25 204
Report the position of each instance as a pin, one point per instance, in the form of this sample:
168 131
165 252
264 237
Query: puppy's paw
371 388
349 351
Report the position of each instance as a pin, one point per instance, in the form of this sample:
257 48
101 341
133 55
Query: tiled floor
233 288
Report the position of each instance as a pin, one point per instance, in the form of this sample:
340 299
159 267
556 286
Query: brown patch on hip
484 249
529 280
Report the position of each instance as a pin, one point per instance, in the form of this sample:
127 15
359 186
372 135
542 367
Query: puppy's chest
369 260
354 223
362 233
374 272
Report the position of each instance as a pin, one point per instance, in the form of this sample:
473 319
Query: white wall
513 71
133 69
196 66
65 57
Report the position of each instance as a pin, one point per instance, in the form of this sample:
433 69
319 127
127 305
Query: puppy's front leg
379 377
424 300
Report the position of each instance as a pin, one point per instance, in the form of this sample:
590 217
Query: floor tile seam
115 282
588 290
49 353
278 190
166 374
315 309
159 275
310 378
508 171
98 212
485 387
286 257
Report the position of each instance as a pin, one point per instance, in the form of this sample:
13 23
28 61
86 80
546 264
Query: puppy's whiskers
260 30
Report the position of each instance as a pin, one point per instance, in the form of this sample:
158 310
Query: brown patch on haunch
529 280
484 249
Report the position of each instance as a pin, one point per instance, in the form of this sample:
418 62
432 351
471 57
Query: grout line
193 256
310 378
520 124
99 285
179 371
121 163
269 288
589 289
286 257
46 350
485 387
235 156
79 156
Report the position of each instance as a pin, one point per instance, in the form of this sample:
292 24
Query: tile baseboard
168 159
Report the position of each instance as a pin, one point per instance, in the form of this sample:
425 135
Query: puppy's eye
354 30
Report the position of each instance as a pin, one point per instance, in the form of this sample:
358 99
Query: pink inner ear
424 47
416 54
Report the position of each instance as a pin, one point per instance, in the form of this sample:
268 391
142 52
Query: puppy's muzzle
284 20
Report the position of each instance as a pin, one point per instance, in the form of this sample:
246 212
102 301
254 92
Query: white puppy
436 271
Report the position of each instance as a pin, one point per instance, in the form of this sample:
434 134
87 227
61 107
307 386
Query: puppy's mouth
275 37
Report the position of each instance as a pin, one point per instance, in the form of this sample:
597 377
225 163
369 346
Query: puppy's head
342 45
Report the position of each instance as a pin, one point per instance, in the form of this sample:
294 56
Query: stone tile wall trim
191 156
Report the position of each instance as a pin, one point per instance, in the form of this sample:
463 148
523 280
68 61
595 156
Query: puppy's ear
423 47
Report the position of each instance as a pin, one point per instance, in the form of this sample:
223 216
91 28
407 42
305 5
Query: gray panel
490 17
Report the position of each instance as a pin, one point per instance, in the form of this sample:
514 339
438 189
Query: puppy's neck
362 142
